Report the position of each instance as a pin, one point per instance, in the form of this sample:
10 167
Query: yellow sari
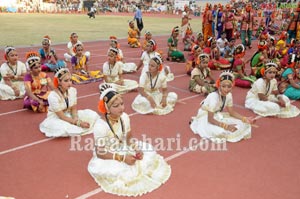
132 38
82 76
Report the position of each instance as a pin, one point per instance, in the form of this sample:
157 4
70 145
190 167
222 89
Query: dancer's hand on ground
152 102
85 125
231 127
130 160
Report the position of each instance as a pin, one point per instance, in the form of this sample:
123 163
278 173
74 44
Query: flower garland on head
239 51
273 40
158 61
195 47
271 65
46 40
114 39
107 94
153 43
32 58
202 57
262 45
7 50
59 73
72 34
225 76
77 45
199 34
175 30
131 22
148 33
115 51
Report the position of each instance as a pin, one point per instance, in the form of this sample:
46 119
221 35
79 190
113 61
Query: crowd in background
103 6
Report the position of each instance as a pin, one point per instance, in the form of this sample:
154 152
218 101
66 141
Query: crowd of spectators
102 6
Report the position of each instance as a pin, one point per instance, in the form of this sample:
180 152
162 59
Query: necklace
111 67
65 97
35 82
11 68
111 128
151 83
202 73
116 120
268 87
223 98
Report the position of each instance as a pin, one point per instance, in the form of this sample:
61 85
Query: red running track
36 167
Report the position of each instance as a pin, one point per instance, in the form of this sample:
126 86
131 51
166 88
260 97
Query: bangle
221 125
224 126
117 157
124 157
114 155
78 123
244 119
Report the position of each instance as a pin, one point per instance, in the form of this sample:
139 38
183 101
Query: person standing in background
207 21
294 25
139 18
247 22
228 21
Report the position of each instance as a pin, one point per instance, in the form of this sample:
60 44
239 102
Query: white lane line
48 139
89 194
182 75
25 146
80 97
11 112
187 98
89 95
21 110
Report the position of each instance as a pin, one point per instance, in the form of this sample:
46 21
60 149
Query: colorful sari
255 64
244 82
47 60
40 88
216 62
132 38
289 91
84 77
173 53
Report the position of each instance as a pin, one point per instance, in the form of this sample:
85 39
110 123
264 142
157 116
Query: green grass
29 29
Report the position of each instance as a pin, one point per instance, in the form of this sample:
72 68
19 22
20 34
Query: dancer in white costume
12 72
128 67
150 52
63 118
153 97
71 46
264 98
120 165
113 73
218 126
